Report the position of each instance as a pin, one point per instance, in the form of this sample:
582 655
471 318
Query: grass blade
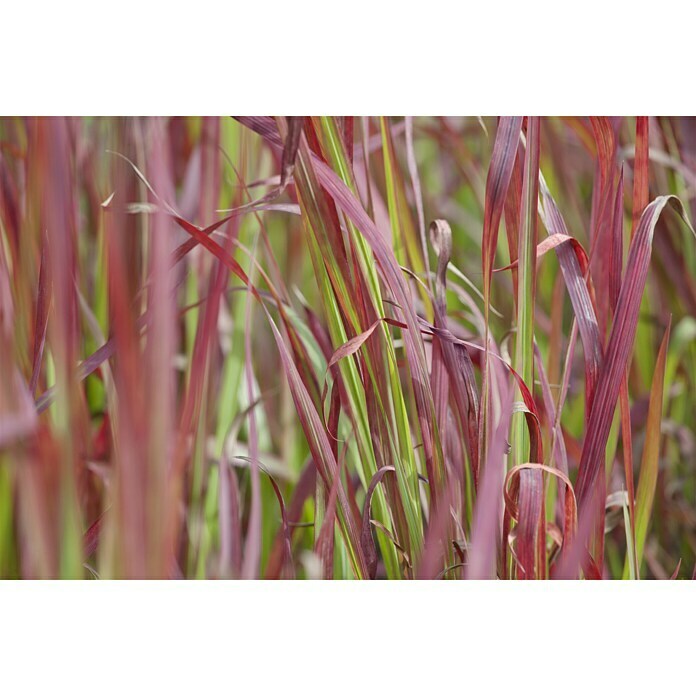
651 452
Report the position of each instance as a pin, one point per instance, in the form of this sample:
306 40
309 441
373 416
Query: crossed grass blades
343 347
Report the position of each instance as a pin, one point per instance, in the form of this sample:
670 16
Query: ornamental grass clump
347 347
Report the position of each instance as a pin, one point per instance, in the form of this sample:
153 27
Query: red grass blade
43 301
551 242
497 183
641 171
619 347
530 527
579 293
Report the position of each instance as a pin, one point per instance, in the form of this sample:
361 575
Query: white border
428 57
346 637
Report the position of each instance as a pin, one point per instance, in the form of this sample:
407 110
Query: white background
178 637
354 57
